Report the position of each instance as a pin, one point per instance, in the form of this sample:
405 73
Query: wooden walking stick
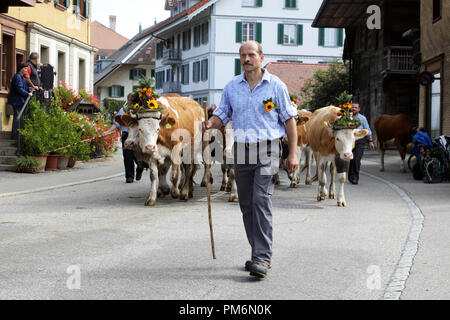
208 184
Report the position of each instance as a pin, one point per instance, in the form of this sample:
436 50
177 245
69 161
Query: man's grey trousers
255 169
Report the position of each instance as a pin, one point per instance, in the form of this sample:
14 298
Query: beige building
434 109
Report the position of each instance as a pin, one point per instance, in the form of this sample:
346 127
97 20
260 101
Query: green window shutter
340 37
294 4
238 31
322 37
259 32
287 3
237 67
280 33
122 91
299 34
110 92
259 3
144 73
131 74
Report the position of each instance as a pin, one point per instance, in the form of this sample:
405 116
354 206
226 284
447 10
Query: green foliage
112 106
144 82
344 98
324 88
36 131
26 162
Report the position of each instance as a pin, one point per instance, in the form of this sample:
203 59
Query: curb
397 283
18 193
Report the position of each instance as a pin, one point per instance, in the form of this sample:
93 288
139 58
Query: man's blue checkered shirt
251 122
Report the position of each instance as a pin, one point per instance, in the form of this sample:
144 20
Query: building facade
383 74
119 74
434 110
59 31
197 49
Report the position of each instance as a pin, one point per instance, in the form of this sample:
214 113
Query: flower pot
62 162
42 162
52 163
71 162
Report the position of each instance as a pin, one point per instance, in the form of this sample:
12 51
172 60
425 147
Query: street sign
426 78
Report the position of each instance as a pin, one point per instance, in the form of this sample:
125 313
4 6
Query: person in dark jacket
18 94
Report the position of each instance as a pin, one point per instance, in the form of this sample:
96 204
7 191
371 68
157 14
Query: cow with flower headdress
161 131
332 135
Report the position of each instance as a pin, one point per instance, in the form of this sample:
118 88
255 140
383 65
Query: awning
342 13
15 3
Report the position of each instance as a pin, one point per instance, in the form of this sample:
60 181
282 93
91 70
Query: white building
197 47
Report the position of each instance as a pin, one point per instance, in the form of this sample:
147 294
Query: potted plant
29 165
35 133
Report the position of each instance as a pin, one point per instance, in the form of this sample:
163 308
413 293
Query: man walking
259 106
358 151
128 155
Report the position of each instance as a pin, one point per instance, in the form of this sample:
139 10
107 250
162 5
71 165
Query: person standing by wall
33 76
18 94
259 106
358 151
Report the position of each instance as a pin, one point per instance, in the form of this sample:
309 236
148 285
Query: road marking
396 285
19 193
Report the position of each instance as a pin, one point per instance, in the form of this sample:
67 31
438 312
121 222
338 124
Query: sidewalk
11 182
430 273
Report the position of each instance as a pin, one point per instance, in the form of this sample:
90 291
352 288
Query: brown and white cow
303 117
397 129
334 146
162 137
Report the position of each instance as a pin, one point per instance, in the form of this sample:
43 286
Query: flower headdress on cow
294 99
144 100
345 120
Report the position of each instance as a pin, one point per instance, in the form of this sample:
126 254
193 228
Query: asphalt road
99 241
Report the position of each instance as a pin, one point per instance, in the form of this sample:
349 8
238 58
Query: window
196 71
116 91
61 70
7 59
136 74
185 74
331 37
81 74
101 56
248 31
44 55
197 35
290 34
437 8
159 50
159 79
205 70
252 3
290 4
81 7
435 107
205 33
169 75
187 40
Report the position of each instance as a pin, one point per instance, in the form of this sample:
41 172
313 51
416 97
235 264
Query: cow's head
149 126
344 140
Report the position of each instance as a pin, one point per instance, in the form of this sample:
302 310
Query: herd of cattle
167 139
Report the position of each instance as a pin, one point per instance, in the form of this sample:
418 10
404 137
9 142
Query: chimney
112 22
140 28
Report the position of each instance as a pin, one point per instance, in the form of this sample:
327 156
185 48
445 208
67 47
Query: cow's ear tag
168 126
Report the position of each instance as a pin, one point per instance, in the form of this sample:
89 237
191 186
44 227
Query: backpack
433 170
